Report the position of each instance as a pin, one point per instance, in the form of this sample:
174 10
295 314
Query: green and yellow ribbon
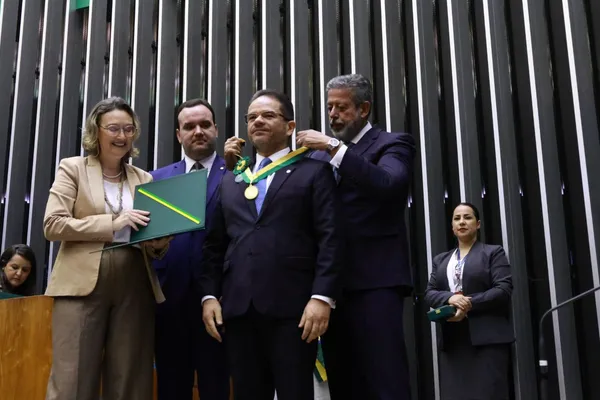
170 206
275 166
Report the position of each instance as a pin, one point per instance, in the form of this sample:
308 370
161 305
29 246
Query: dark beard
350 131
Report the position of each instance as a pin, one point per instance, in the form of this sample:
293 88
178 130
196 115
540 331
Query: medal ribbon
275 166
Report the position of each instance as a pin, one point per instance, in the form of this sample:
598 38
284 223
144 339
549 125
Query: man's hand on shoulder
315 319
212 317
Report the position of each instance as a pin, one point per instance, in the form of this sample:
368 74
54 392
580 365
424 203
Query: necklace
112 177
118 210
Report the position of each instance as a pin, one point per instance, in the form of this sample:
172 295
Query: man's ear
365 109
290 127
178 135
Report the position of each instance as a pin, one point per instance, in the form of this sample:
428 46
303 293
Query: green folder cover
6 295
442 313
176 204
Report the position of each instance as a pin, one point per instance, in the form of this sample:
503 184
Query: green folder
176 204
6 295
442 313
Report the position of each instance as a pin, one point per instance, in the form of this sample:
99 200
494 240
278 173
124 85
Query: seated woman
474 278
17 270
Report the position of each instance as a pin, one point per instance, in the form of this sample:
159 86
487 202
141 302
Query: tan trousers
109 333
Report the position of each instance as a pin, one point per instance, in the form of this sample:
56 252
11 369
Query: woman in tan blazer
103 317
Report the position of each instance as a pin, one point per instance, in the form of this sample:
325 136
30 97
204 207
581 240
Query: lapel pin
288 171
222 168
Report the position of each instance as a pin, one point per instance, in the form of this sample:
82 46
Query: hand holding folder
176 205
442 313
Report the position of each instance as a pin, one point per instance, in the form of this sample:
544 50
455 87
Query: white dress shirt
206 162
339 156
274 157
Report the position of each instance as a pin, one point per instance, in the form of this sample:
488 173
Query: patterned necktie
261 186
197 166
458 269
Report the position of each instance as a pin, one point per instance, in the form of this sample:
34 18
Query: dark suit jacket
180 267
277 259
375 180
487 280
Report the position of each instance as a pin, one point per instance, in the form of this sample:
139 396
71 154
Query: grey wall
500 95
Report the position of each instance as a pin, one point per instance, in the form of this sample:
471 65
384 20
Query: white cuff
208 298
326 299
339 156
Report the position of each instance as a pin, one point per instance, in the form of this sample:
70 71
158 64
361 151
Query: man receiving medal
271 257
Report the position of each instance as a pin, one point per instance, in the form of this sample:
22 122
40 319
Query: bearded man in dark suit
364 349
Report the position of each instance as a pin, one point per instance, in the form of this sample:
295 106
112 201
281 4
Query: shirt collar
362 132
274 157
206 162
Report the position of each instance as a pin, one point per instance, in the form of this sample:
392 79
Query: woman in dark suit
17 270
474 344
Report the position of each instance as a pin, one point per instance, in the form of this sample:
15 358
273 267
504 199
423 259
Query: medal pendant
251 192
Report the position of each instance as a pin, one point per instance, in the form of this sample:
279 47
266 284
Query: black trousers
267 355
365 355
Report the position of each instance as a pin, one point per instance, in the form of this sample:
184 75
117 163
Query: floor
321 391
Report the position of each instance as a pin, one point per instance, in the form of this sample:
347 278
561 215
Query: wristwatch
332 144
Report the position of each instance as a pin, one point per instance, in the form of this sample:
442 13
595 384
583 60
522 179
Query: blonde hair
90 142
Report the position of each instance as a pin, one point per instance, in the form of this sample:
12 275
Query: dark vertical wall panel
271 55
460 100
298 61
328 59
193 57
579 141
69 112
501 97
166 71
356 38
94 59
428 228
499 122
19 163
218 65
143 58
389 67
45 132
244 84
72 62
537 108
8 31
119 49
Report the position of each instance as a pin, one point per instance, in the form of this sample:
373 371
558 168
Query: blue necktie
261 186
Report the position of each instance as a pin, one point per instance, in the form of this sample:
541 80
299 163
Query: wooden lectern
25 347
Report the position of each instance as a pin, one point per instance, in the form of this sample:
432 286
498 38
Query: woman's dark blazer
487 280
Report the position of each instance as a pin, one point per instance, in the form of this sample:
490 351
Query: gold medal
251 192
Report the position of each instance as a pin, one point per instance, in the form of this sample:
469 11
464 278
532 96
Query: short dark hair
287 108
28 287
472 207
193 103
